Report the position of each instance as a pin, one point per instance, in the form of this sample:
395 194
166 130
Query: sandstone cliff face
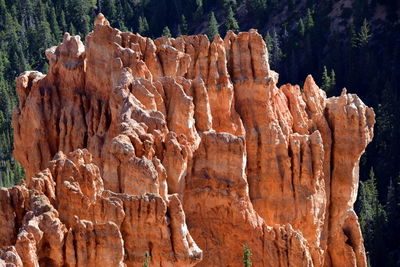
185 149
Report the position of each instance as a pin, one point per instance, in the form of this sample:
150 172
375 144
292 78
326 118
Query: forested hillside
348 43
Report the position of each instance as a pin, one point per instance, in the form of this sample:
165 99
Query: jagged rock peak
183 150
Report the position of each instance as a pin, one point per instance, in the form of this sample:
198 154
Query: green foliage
328 81
364 35
183 27
147 259
212 27
256 7
230 21
268 41
143 26
78 12
372 215
247 256
53 23
199 10
63 23
166 32
274 48
108 8
309 20
301 27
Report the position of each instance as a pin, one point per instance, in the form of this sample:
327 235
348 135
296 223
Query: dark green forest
348 43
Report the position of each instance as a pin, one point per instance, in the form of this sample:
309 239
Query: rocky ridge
183 149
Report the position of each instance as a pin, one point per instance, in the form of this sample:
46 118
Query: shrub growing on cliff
247 256
147 259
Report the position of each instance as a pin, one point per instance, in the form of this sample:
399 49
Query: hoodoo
179 152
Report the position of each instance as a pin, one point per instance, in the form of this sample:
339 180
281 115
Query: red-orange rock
91 227
174 146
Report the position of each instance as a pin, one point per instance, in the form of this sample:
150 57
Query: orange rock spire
183 149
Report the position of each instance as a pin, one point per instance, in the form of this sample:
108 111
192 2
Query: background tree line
353 44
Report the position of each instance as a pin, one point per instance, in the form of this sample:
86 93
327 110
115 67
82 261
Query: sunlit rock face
182 150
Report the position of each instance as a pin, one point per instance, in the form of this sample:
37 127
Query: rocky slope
184 150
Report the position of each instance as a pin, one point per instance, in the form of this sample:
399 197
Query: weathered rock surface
182 148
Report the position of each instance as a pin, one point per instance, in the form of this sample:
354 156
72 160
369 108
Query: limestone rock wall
185 149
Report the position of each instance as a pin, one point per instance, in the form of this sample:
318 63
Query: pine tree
364 35
326 80
72 29
301 27
143 26
392 208
108 7
4 99
230 22
391 201
268 42
166 32
333 80
229 3
3 14
247 256
78 11
352 35
44 37
199 10
63 23
183 25
309 20
256 7
55 29
274 49
212 27
372 216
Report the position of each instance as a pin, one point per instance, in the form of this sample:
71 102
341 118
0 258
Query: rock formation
183 150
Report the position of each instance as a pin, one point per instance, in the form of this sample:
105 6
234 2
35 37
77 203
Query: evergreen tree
256 7
229 4
230 22
143 26
199 9
372 217
275 52
55 29
63 23
108 7
364 35
43 32
183 25
212 27
309 20
268 42
3 15
72 29
326 81
301 27
4 99
247 256
353 35
166 32
391 206
333 80
78 11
